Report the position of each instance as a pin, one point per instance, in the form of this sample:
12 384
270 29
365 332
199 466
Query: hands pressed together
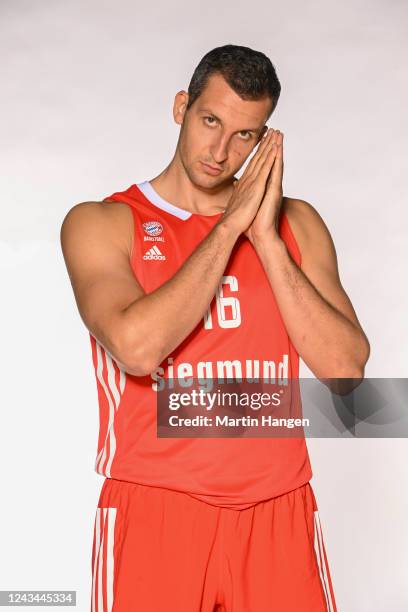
255 204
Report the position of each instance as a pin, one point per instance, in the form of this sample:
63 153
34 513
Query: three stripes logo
154 254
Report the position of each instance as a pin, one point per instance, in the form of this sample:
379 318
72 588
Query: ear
180 106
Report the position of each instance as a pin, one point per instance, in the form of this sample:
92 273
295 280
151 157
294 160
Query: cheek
241 152
198 144
238 154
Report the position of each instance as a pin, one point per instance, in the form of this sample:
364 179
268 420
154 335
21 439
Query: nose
219 149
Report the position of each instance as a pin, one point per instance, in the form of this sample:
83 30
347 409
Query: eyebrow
205 110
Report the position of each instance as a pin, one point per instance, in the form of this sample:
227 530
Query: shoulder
110 219
307 224
107 209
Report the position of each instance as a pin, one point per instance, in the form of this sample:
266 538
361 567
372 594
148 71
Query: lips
211 169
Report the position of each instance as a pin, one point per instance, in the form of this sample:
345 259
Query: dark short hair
249 73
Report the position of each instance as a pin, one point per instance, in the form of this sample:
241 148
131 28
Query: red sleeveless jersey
241 330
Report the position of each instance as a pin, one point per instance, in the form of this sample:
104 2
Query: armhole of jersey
293 240
134 237
132 256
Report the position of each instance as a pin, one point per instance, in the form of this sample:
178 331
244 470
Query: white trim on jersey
111 391
151 194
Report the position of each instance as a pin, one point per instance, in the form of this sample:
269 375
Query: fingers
265 164
269 152
258 155
261 159
276 174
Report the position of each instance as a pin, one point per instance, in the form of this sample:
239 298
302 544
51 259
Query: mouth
211 169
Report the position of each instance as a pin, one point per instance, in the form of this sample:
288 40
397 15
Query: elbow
344 382
366 351
354 366
356 371
140 361
342 378
135 349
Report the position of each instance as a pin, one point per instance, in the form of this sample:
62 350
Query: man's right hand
249 190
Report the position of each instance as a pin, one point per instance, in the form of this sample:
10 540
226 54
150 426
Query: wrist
268 241
226 228
270 248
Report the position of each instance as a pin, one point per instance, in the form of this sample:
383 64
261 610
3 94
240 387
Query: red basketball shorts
158 550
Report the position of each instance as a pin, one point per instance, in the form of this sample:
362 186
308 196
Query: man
196 274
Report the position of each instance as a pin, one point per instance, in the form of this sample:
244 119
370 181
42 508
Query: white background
86 92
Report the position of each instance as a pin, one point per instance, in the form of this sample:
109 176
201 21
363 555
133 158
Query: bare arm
112 303
318 314
174 309
96 246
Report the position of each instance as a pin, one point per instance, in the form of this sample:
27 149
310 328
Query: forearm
328 342
158 322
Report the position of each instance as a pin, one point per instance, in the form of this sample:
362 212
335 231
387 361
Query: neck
174 185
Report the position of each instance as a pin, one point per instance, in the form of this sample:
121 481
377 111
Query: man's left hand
265 223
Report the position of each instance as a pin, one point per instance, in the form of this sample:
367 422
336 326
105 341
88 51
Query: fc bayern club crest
153 228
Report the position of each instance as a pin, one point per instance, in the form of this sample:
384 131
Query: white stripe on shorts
321 562
103 563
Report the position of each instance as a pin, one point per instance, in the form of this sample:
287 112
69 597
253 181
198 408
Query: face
218 132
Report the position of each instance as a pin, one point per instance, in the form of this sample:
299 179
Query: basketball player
196 274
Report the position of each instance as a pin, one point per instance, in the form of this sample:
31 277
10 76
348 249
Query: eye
210 120
245 135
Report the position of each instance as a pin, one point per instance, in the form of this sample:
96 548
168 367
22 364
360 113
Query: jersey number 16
223 303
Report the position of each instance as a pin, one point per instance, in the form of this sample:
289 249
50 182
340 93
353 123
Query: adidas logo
154 253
